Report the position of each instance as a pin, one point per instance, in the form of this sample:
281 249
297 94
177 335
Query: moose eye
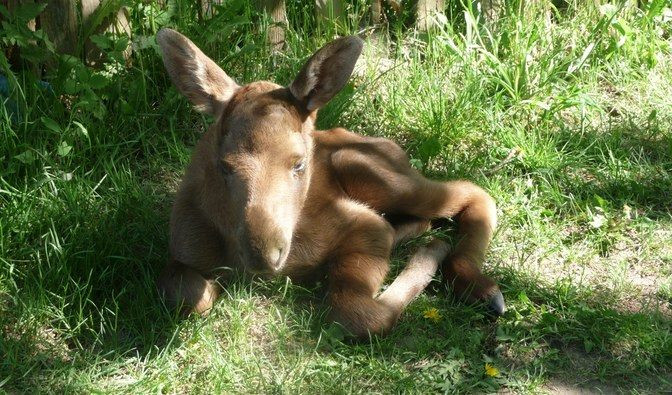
299 167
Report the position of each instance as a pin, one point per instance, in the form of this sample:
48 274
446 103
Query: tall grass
564 120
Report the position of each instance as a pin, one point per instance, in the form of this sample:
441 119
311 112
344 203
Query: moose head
255 165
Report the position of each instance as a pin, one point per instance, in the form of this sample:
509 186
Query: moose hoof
496 303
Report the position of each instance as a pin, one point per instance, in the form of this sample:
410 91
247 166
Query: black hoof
496 303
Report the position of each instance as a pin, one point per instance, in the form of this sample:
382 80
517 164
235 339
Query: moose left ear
326 72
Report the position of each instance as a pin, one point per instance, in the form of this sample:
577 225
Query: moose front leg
187 289
198 257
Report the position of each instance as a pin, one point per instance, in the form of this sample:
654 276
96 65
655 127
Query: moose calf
267 193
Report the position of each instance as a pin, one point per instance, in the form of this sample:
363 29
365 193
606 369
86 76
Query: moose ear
195 75
326 72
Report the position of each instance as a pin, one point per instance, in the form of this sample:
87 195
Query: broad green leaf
121 44
64 149
26 157
600 201
71 86
83 74
98 81
51 124
416 163
81 128
143 42
101 41
163 16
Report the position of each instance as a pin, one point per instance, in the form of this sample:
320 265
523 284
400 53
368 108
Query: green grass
583 251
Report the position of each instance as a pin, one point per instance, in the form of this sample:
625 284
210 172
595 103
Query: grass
568 127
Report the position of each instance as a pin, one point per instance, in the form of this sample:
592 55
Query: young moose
267 193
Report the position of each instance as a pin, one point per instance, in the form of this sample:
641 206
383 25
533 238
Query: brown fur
267 193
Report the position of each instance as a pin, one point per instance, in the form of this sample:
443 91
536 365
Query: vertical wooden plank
119 23
427 11
92 54
329 10
276 33
207 9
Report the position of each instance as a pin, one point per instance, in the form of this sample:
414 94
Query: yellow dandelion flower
432 314
491 370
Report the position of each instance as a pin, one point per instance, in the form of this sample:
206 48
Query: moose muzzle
268 241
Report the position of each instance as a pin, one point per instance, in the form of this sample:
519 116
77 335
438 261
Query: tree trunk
59 21
377 15
377 12
427 13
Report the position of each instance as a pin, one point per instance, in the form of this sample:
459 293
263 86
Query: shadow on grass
89 300
558 332
627 164
100 296
85 294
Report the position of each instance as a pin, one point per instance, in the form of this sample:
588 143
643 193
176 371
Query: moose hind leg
378 175
407 227
186 289
416 275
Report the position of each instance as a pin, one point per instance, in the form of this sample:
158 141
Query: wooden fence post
427 12
329 10
276 34
206 10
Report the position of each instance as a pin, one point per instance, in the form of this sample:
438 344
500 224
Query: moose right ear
326 72
195 75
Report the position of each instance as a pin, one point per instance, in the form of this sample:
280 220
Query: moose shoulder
267 193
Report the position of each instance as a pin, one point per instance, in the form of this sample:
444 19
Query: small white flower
598 221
